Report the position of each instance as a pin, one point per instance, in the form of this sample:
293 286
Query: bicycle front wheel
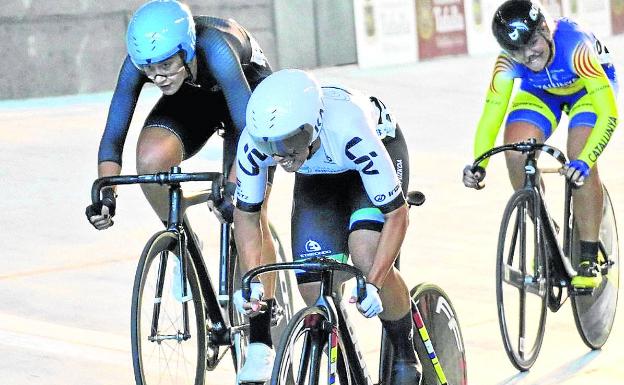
441 352
521 280
594 313
306 348
168 330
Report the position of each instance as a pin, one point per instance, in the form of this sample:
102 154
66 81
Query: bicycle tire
148 356
305 342
594 314
444 333
526 275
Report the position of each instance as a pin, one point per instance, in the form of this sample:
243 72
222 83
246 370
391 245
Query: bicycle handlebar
524 147
318 264
162 178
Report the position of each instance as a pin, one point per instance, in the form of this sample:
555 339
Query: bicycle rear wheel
521 280
161 352
443 331
594 313
306 348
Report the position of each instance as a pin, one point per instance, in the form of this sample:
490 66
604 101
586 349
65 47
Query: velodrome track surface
65 302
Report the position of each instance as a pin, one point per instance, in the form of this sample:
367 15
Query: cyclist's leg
319 224
589 197
175 130
532 115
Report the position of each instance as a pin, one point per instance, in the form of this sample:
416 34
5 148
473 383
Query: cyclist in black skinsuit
206 68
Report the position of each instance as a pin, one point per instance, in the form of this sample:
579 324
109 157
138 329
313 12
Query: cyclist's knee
158 150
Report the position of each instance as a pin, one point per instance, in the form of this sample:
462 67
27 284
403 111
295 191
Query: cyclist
205 68
562 68
351 165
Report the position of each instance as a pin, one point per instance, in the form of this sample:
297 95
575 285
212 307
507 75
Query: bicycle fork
186 296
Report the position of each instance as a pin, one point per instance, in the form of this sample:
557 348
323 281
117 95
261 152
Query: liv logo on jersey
368 169
517 26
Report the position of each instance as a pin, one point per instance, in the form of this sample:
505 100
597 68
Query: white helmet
285 112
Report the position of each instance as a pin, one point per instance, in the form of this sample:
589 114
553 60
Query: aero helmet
158 30
516 22
285 112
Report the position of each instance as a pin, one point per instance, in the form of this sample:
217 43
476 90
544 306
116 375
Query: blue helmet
158 30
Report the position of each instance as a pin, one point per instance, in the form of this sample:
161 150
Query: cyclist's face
293 159
168 74
535 55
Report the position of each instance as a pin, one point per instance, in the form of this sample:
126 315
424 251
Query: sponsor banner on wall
594 15
385 31
554 7
479 15
441 26
617 16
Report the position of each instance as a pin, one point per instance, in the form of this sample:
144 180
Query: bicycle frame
179 225
338 319
532 182
560 256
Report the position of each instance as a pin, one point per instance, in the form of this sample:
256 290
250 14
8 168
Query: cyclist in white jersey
352 168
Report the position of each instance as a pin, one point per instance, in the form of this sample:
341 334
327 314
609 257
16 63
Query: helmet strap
190 79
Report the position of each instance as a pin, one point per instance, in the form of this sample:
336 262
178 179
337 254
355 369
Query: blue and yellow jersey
580 64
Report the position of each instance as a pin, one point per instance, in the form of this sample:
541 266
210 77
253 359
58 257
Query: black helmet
515 22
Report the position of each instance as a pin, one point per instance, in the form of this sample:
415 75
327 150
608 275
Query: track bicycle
321 335
534 271
179 321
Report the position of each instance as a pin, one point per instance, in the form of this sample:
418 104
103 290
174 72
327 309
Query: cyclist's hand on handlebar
474 176
576 171
371 305
224 207
101 214
248 307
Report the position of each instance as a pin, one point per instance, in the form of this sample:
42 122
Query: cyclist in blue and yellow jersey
562 68
206 69
351 167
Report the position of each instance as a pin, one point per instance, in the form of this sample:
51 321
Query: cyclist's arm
390 241
601 93
248 236
371 159
129 85
252 175
496 103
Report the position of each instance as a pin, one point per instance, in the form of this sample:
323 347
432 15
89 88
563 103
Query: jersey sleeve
496 103
129 84
587 66
251 175
224 63
370 158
